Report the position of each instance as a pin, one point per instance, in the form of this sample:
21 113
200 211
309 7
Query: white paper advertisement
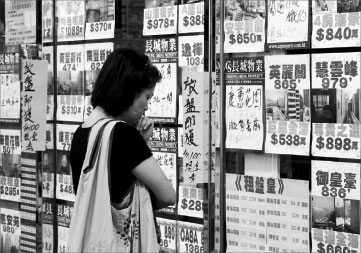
335 206
20 22
34 105
244 102
191 17
335 105
266 213
10 96
194 133
287 24
49 57
288 108
70 83
163 53
160 20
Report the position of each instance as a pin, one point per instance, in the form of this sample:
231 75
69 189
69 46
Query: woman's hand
145 127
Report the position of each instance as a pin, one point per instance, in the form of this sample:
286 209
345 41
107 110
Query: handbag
98 225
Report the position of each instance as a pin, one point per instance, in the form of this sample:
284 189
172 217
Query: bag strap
95 146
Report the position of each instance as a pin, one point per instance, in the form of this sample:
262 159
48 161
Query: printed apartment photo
335 106
336 214
288 104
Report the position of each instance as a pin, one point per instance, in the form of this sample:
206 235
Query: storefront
257 118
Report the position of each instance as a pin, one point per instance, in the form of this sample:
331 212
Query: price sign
190 201
97 30
160 20
10 188
10 141
65 188
70 107
336 179
191 18
244 36
64 135
288 137
336 140
336 30
336 71
10 222
333 241
190 237
71 20
191 51
168 231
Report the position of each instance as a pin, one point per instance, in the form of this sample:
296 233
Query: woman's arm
152 176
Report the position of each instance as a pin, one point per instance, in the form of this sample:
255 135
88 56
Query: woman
121 92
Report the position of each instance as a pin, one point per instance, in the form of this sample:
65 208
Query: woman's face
139 106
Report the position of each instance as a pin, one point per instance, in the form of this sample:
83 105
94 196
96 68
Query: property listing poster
47 20
9 60
10 141
64 184
70 83
163 144
10 96
194 127
10 230
20 22
244 79
100 19
95 56
48 234
287 24
71 20
335 23
168 234
159 20
48 174
49 57
288 104
48 220
10 171
335 105
335 206
266 214
191 201
163 53
190 237
191 51
244 26
34 100
191 18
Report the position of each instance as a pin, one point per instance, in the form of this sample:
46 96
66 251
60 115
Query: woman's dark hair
123 76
